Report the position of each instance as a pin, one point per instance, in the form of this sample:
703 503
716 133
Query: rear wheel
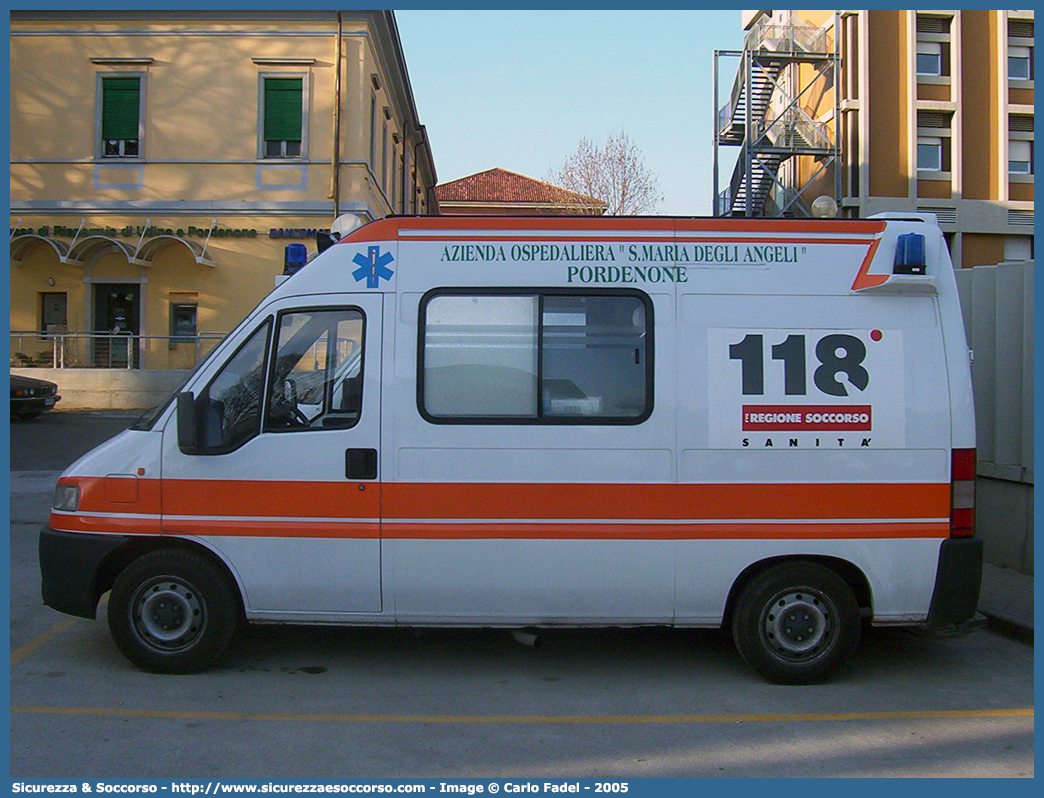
796 623
172 611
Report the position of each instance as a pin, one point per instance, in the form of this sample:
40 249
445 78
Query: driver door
286 485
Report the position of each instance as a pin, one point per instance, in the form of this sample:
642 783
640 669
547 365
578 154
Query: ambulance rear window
535 357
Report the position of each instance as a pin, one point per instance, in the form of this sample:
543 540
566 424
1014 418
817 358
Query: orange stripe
503 531
273 509
321 500
666 238
271 499
389 229
863 278
433 500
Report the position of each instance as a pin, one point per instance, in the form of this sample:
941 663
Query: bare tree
614 173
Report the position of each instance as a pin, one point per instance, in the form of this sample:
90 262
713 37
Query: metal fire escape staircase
770 133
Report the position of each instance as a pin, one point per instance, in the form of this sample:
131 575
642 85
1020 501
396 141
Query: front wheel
796 623
172 611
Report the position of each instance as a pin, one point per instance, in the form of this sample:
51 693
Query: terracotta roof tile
500 185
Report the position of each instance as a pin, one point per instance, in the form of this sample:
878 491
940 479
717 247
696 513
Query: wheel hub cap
798 624
168 613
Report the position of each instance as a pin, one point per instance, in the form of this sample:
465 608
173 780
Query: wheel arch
852 575
114 564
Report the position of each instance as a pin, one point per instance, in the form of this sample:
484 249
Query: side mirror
188 431
324 240
199 424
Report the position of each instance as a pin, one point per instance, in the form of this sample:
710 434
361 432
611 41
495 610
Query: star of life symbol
373 267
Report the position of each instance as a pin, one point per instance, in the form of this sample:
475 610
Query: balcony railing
796 36
34 349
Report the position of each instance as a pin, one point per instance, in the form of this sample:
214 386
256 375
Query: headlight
67 498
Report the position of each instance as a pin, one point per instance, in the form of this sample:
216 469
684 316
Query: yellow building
162 161
930 111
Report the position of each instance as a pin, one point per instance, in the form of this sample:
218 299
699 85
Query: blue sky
518 89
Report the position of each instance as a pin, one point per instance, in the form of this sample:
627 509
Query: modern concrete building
498 192
161 161
930 111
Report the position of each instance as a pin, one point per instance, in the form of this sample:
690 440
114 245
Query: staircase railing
794 128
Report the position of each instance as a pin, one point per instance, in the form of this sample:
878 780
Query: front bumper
36 404
957 583
70 565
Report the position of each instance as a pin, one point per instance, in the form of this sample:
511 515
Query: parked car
30 396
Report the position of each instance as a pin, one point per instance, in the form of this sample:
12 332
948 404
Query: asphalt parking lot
301 702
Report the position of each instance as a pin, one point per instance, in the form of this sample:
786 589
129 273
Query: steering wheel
288 414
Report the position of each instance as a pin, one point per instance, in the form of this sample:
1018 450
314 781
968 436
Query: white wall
109 389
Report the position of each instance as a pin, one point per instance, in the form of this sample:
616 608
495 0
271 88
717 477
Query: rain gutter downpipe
335 163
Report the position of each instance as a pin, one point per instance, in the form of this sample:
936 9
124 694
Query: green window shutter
120 105
283 115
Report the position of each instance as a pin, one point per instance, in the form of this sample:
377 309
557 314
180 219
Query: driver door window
317 374
232 402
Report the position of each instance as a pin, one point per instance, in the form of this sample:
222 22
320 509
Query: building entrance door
116 325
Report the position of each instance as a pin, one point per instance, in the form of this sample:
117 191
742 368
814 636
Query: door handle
360 463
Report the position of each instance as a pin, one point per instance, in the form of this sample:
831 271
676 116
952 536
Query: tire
172 611
796 623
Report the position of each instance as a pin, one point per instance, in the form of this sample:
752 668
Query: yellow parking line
520 719
24 651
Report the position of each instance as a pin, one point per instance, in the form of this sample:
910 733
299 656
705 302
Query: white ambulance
548 422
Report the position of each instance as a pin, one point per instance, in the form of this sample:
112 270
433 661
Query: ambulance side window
480 357
594 358
316 380
515 356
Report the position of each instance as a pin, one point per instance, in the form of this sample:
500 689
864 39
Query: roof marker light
295 256
909 255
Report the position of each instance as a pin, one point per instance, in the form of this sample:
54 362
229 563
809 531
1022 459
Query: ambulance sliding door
527 475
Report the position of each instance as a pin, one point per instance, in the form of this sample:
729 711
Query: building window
1020 157
929 58
384 157
373 132
283 117
120 116
182 322
933 46
407 195
393 170
929 154
543 358
933 141
1020 48
1020 62
1020 144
